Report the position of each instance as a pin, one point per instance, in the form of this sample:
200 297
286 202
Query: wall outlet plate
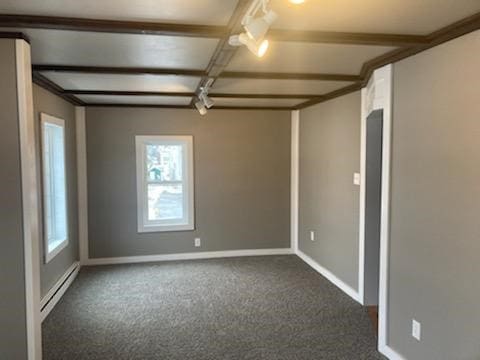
198 242
416 329
312 235
356 178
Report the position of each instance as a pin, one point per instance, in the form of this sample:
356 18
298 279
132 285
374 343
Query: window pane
165 202
55 198
164 162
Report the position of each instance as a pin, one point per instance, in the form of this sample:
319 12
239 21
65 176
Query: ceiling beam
288 76
45 83
111 26
198 73
349 38
118 70
189 94
206 31
280 108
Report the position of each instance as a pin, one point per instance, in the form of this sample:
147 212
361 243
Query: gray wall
13 343
328 199
435 203
242 187
46 102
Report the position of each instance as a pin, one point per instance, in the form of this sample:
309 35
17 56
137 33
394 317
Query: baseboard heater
54 295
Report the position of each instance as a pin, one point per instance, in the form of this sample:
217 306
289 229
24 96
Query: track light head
208 102
257 28
200 107
259 48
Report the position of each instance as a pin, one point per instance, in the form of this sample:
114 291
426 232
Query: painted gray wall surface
242 180
373 190
46 102
329 154
13 343
435 203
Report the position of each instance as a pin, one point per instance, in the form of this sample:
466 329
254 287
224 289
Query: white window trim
45 118
142 226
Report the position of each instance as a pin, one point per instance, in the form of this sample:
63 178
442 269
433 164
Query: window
54 186
165 183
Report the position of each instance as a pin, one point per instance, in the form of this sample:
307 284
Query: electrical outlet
312 235
198 242
416 329
356 178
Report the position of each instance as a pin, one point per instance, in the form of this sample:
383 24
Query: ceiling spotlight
200 107
255 28
203 101
259 48
297 2
203 97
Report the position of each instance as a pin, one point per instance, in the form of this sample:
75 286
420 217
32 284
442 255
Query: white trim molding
347 289
294 178
56 292
188 256
378 95
80 125
30 201
390 353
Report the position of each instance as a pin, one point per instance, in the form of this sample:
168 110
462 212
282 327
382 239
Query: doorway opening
373 210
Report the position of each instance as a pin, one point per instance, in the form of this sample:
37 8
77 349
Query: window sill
165 228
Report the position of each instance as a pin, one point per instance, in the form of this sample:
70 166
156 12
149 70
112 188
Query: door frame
377 95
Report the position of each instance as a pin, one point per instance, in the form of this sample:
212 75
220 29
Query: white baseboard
56 292
330 276
187 256
390 353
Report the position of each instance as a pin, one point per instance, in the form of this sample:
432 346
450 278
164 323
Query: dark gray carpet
273 307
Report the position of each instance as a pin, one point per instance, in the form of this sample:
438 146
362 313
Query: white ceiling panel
393 16
107 49
144 100
211 12
81 81
273 86
307 58
256 102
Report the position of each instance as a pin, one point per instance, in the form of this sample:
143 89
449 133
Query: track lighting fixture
203 101
200 107
255 28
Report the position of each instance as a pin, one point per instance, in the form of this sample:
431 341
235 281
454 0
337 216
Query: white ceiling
307 58
377 16
144 100
207 12
275 86
108 49
115 82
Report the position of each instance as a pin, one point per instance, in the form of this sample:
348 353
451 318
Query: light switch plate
416 329
197 242
356 178
312 235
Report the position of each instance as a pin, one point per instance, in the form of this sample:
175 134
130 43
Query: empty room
240 180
